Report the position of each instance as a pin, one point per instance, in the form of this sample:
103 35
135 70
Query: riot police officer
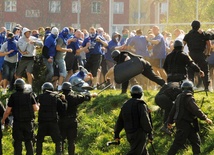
165 98
199 48
135 118
23 106
177 62
67 120
184 114
176 65
142 66
50 105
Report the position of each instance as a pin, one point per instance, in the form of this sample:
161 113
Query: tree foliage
185 11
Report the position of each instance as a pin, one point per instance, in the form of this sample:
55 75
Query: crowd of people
64 51
73 56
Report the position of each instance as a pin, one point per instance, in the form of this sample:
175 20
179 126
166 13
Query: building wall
65 17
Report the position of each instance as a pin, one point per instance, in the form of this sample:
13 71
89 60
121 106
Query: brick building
60 13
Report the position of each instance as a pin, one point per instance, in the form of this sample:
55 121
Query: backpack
45 52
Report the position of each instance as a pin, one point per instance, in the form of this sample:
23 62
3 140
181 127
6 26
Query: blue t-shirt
159 50
79 74
128 41
140 45
74 46
111 47
210 59
96 47
123 41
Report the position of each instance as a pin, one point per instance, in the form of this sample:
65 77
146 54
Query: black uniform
196 43
165 97
67 119
22 110
147 70
176 65
134 117
184 113
48 121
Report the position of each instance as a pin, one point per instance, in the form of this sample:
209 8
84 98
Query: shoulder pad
188 94
71 93
131 54
141 101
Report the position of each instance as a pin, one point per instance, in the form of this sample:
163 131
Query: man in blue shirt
125 36
159 51
95 52
114 44
139 43
49 52
71 57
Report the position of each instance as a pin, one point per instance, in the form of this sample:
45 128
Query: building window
55 6
118 7
137 15
10 6
96 7
32 13
10 25
163 8
76 7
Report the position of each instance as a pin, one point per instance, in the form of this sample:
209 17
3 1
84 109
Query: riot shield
127 70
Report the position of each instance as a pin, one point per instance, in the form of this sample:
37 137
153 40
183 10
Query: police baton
113 143
104 89
56 94
104 82
201 91
202 102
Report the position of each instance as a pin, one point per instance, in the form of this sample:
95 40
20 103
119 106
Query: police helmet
47 86
19 84
66 86
136 90
178 43
115 54
187 86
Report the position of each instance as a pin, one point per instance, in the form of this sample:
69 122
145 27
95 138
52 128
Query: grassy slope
97 119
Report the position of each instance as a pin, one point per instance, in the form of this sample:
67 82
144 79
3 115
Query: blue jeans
49 70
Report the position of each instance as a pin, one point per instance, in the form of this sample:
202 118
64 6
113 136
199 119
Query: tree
185 11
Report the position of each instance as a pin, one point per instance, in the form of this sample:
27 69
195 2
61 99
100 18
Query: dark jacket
176 64
72 103
196 41
185 109
50 107
133 115
22 106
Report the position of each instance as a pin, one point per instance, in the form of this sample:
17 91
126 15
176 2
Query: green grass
96 125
